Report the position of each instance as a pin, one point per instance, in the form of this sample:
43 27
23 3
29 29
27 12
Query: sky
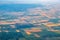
27 1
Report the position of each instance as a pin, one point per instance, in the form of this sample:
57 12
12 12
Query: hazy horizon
28 1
